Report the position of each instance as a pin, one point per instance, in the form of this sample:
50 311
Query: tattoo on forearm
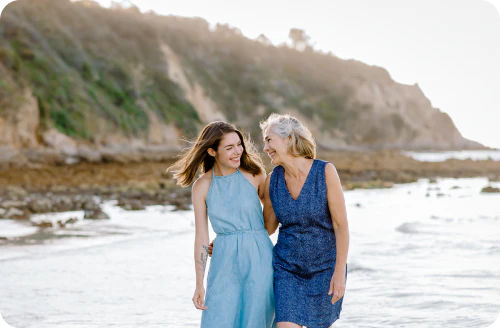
203 258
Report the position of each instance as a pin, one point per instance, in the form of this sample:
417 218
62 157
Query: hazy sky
451 48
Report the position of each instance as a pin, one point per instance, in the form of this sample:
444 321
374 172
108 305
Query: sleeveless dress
304 256
240 278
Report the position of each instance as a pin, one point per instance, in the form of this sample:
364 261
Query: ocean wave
416 228
356 266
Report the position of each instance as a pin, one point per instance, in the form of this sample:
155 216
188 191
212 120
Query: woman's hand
210 248
337 284
199 298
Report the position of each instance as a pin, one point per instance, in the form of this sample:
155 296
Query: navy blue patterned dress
304 256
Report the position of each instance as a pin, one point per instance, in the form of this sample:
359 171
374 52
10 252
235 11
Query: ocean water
443 156
421 255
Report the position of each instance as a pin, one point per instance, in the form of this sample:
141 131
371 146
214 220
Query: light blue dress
240 278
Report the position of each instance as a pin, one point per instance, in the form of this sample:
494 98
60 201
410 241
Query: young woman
240 279
304 195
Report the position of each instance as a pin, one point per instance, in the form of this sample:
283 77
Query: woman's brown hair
196 157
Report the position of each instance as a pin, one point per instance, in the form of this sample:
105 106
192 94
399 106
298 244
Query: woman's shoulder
330 170
257 178
325 169
202 184
324 165
322 162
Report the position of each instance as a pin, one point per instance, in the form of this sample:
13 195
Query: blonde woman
240 279
304 194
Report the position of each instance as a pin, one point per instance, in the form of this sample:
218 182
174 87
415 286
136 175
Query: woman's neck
221 170
297 167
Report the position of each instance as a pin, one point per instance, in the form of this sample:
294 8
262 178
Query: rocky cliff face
401 117
19 126
89 83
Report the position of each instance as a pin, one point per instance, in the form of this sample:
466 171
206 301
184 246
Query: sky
451 48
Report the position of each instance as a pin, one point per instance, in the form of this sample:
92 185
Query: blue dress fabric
305 254
240 277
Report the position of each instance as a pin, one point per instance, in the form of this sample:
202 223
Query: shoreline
43 188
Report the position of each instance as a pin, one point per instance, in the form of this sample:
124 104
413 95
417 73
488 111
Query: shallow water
462 154
414 261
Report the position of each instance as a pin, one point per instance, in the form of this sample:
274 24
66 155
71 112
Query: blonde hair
302 143
196 157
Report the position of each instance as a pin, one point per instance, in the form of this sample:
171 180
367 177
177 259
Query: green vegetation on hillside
97 70
89 65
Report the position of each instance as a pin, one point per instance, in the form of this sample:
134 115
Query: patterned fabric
305 254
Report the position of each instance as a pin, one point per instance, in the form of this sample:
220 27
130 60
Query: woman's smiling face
275 146
229 151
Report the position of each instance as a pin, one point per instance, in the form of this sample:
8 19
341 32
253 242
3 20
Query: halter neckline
224 176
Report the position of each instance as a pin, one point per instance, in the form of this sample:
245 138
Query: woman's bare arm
336 205
199 193
270 219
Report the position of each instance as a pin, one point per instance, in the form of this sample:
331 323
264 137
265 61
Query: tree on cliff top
300 39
